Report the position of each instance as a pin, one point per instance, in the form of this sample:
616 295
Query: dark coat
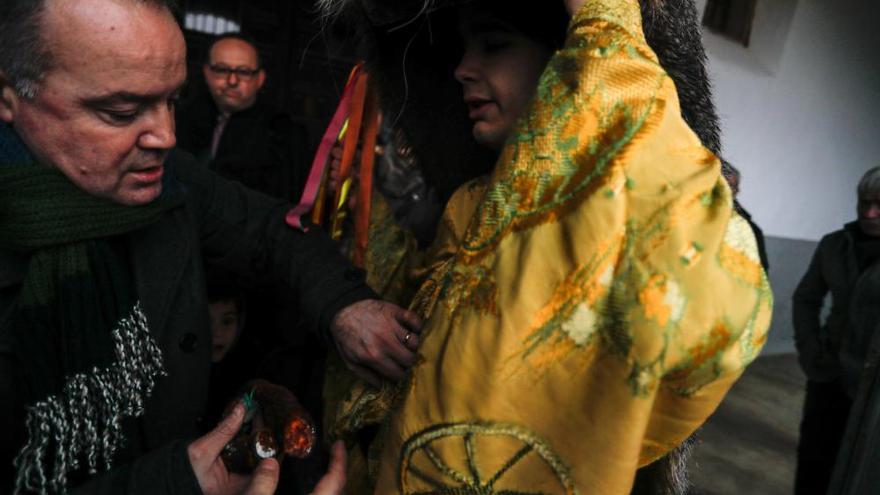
837 348
227 224
261 147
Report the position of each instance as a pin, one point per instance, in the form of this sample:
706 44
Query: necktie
218 132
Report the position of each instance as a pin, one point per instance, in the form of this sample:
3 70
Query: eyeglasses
240 72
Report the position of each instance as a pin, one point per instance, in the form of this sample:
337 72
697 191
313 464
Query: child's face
499 74
224 328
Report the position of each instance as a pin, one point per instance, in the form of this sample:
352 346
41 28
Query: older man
846 264
226 123
104 341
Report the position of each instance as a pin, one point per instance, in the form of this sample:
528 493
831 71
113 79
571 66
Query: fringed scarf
84 355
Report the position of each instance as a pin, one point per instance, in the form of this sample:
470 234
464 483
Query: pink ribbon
319 164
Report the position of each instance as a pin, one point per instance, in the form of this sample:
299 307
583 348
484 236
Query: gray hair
24 57
869 186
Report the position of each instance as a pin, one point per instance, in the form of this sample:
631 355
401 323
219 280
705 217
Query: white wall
800 110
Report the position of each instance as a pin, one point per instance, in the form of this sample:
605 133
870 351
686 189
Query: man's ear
206 71
8 99
261 78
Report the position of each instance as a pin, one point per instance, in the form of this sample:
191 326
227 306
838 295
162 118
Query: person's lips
478 106
148 175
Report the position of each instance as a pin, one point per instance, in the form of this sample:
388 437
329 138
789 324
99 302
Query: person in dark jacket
104 337
846 264
225 124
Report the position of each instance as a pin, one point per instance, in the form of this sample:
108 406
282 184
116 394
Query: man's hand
334 481
214 479
377 339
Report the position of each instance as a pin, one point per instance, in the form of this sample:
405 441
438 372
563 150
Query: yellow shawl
592 301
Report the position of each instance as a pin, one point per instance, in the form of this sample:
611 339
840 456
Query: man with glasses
241 137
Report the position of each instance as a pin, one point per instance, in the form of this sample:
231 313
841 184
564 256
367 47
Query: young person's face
225 319
499 74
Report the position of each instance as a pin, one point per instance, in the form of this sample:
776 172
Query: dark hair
24 57
545 24
236 36
222 286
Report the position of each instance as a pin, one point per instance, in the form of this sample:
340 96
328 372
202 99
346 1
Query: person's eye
120 117
229 320
493 44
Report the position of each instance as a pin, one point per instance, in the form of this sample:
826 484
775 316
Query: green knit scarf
84 355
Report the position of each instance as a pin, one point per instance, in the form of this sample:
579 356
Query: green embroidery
504 205
422 465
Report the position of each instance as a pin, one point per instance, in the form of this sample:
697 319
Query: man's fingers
265 478
393 367
365 374
409 339
391 357
389 369
409 320
334 481
399 351
211 444
337 459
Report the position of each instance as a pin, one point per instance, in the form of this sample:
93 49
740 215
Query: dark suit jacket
228 224
261 147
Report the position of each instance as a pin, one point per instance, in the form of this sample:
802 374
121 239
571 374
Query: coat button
353 275
188 343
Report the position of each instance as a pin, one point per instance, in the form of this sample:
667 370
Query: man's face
499 75
869 214
104 113
224 328
233 75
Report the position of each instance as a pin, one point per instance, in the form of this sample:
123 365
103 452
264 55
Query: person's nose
873 211
160 134
467 70
233 79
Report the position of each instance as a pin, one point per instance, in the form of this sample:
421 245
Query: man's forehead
235 51
101 46
112 32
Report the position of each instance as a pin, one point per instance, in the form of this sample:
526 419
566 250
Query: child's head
506 47
226 311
